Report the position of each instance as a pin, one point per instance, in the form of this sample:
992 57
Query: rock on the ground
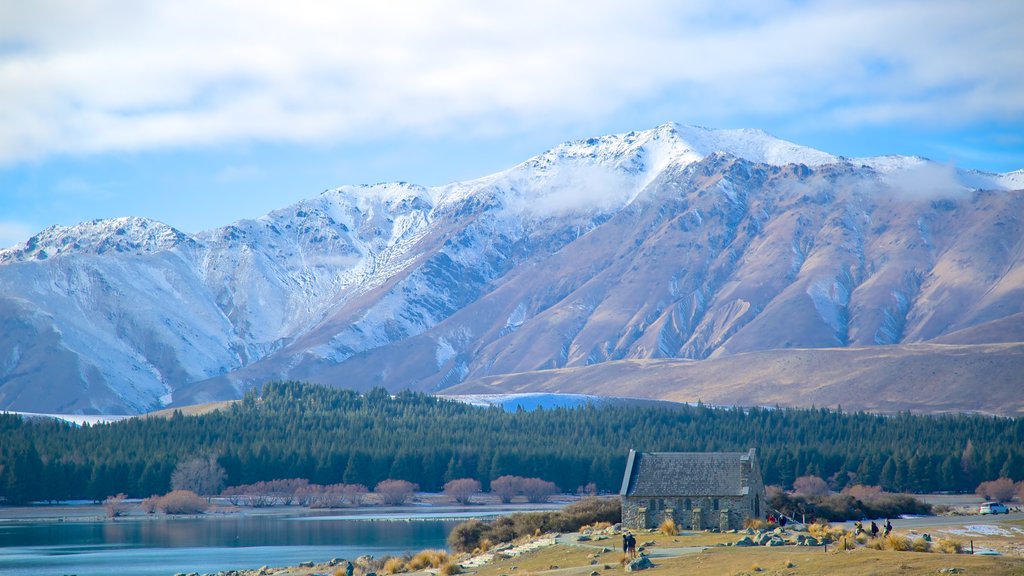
745 541
641 563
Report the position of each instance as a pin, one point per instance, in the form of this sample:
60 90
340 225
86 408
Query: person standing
625 543
349 568
632 546
888 527
874 529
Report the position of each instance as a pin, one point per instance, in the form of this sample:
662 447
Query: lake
166 546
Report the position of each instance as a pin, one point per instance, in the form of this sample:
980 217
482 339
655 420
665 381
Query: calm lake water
204 545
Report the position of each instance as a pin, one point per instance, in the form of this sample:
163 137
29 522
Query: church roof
686 474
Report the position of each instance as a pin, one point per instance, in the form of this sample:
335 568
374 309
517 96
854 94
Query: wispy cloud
82 77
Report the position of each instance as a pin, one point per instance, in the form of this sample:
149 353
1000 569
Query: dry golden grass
822 530
755 523
427 559
596 526
856 377
449 568
920 545
540 561
193 410
950 546
859 562
668 527
393 565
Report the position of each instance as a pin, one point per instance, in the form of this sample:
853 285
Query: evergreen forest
329 435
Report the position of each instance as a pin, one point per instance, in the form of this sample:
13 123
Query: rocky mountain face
674 243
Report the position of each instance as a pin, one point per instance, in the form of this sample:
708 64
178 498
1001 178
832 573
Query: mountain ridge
567 259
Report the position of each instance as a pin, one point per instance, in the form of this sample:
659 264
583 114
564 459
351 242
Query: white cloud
927 180
85 77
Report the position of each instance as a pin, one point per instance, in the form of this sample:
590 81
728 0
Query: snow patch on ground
985 530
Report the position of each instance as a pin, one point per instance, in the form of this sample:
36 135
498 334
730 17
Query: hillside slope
678 242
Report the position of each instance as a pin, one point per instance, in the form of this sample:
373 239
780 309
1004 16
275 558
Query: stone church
697 490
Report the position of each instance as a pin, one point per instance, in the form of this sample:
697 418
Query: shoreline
91 513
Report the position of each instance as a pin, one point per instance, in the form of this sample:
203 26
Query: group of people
773 519
629 544
858 528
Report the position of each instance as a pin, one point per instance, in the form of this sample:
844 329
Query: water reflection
163 546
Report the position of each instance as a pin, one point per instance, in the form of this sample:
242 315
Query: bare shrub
462 489
590 489
466 535
281 492
589 511
148 505
810 486
332 496
115 506
472 534
395 492
537 491
1002 490
181 502
506 487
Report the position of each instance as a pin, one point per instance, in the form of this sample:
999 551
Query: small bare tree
537 490
810 486
1002 490
395 492
506 487
204 476
462 490
115 506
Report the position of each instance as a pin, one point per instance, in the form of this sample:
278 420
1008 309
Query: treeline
331 436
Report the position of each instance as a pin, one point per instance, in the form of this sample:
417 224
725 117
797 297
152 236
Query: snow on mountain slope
129 235
679 241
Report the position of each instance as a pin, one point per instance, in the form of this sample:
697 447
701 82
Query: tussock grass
393 565
427 559
950 546
920 545
449 568
846 542
824 531
755 524
668 527
897 543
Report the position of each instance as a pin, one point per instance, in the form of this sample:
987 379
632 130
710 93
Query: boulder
745 541
776 541
641 563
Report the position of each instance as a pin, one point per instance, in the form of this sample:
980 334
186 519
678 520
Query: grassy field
672 555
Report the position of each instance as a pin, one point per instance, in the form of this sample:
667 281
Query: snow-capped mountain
676 242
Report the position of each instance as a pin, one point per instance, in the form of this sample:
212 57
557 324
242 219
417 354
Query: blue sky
202 113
